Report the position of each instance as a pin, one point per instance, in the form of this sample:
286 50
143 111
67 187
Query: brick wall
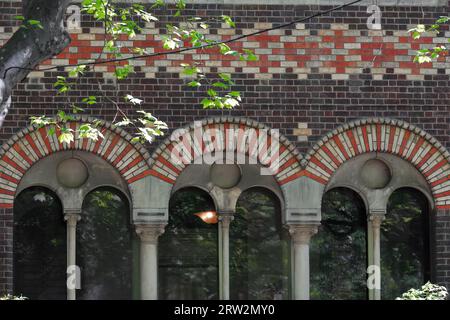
322 74
442 238
309 79
6 259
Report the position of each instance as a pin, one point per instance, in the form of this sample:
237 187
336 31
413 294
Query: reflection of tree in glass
259 249
188 250
404 243
339 249
104 248
39 245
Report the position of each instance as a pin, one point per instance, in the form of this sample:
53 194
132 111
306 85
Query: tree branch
31 45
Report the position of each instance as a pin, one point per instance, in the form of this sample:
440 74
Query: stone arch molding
303 179
389 136
33 144
226 134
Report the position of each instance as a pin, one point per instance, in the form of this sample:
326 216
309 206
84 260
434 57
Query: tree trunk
31 45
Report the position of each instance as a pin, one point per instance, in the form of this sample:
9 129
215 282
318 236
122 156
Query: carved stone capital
225 218
377 219
149 233
72 218
302 233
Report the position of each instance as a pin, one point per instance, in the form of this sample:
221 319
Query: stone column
72 219
301 235
149 234
376 219
224 255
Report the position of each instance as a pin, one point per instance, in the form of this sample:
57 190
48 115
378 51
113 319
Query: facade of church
330 181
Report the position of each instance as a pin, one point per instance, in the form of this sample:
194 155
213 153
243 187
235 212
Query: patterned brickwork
319 75
6 223
33 144
389 136
228 134
442 240
337 50
329 45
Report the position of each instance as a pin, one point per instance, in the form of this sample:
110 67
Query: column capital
302 233
150 233
377 217
72 217
226 217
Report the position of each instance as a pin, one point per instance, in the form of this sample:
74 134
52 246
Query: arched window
339 249
39 245
188 249
405 254
104 246
259 248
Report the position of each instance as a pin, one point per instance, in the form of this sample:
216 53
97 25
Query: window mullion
72 219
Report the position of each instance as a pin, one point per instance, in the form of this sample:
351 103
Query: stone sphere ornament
375 174
72 173
225 176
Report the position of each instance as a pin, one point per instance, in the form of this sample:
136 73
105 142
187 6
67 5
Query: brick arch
167 170
30 145
396 137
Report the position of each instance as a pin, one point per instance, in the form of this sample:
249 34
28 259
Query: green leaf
76 109
170 44
51 131
157 4
207 103
66 136
87 131
35 23
212 93
220 85
424 59
90 100
249 55
133 100
189 70
225 77
123 72
125 122
194 84
41 121
228 21
76 71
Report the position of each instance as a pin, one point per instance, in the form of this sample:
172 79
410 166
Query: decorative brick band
167 169
337 49
383 135
32 144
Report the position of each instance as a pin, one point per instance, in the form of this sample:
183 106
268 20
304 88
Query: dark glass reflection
39 245
188 249
339 250
104 247
259 249
404 243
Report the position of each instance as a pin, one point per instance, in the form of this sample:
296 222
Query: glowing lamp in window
209 217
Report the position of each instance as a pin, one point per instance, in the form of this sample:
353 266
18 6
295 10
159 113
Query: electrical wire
209 45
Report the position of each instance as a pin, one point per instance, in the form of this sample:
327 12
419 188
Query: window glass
104 247
39 245
404 243
338 252
188 249
259 249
